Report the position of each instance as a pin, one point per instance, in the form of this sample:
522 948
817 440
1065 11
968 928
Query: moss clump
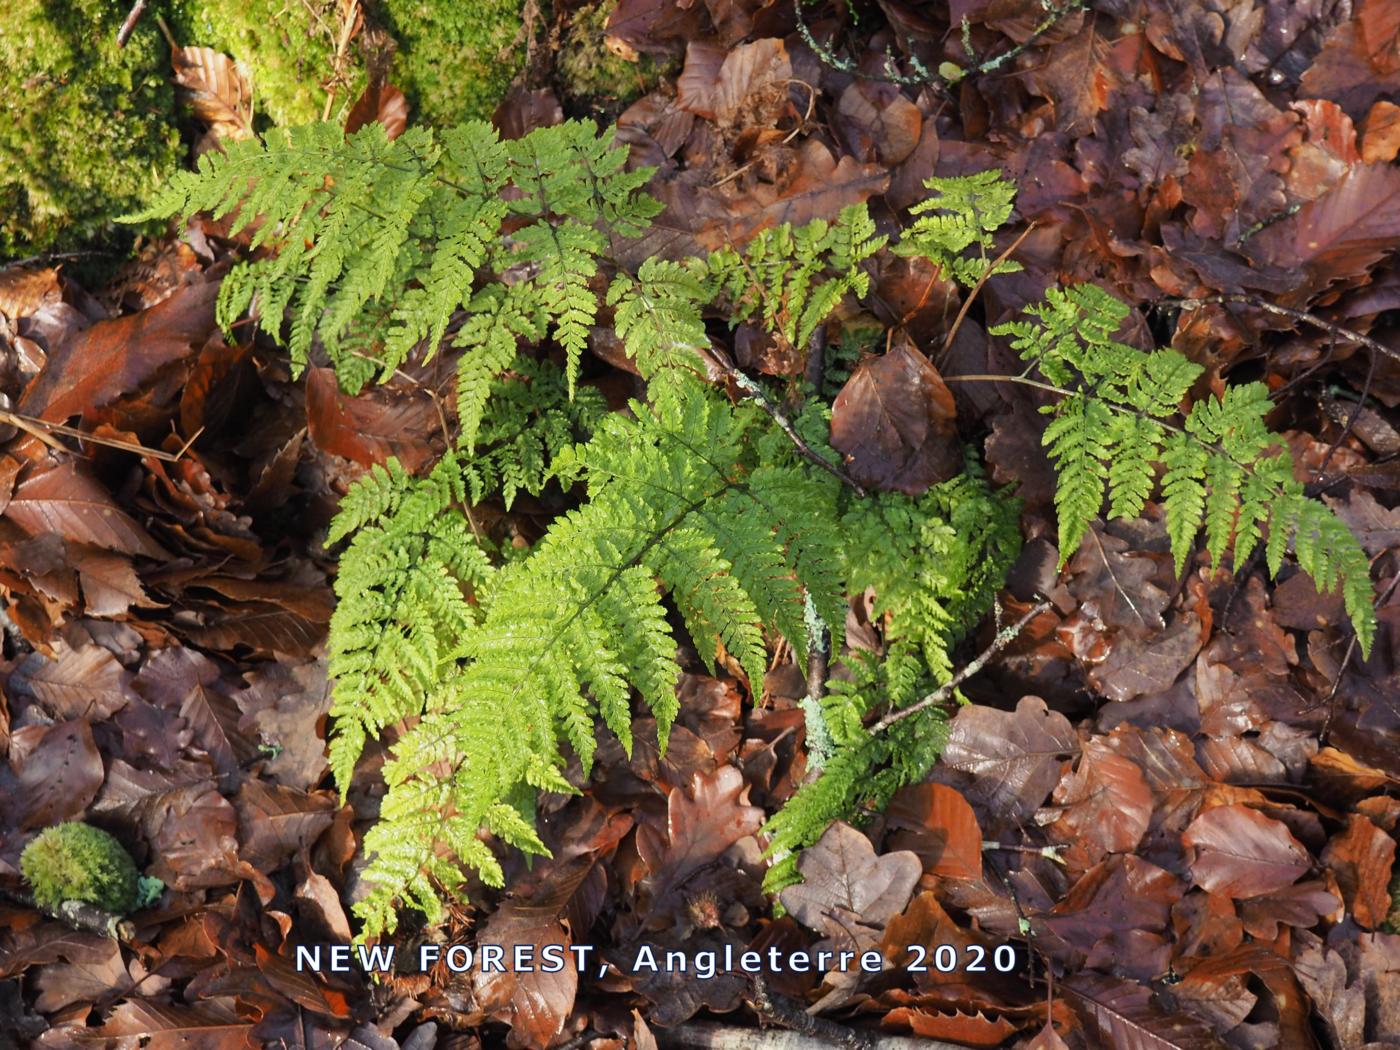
288 47
86 130
78 862
591 71
455 59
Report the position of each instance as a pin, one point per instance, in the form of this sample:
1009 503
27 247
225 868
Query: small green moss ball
78 862
86 130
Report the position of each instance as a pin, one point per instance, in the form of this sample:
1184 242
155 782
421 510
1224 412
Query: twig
755 392
129 26
1337 330
81 916
1004 638
820 745
347 31
1048 852
41 428
790 1014
987 273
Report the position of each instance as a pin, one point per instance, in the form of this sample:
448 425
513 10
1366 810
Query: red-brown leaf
1239 852
893 422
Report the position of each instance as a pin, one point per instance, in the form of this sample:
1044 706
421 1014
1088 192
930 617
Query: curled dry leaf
216 90
718 86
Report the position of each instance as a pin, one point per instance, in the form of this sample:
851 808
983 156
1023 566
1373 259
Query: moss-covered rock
86 129
455 59
78 862
287 48
590 70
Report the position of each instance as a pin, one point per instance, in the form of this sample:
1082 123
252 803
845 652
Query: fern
934 564
487 669
1223 471
675 494
380 243
962 213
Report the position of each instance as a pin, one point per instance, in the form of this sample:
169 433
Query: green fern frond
962 212
1222 470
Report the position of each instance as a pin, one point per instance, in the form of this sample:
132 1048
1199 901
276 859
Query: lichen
455 60
86 130
78 862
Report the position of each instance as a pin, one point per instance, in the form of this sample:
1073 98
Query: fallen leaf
216 89
1122 1014
934 822
65 499
893 423
1012 759
1362 857
382 422
1239 852
842 874
383 102
59 772
1381 133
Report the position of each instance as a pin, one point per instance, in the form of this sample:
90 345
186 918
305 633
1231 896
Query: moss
591 71
455 59
86 130
288 47
77 862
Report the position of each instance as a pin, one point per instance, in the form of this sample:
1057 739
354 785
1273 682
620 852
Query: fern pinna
1222 470
487 666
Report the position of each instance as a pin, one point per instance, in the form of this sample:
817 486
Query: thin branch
940 695
986 274
790 1014
755 393
1349 334
81 915
43 430
129 25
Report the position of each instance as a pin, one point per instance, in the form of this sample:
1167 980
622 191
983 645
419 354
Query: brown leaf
1013 759
1381 134
717 85
935 823
1362 857
1105 805
279 822
879 122
1076 77
1239 852
1341 235
382 422
968 1029
701 824
112 360
65 499
74 683
92 973
216 90
893 422
842 874
209 1026
1124 1017
59 772
379 101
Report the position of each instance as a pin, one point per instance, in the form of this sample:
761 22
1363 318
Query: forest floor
1173 800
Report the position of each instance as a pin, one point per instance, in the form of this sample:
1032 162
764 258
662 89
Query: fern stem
990 269
940 695
755 393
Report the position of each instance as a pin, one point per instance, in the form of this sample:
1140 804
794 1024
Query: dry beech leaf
936 823
59 772
216 89
65 499
1124 1017
879 115
381 422
382 102
715 84
894 423
1239 852
1362 857
1105 805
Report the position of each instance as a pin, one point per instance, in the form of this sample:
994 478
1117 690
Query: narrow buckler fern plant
487 667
